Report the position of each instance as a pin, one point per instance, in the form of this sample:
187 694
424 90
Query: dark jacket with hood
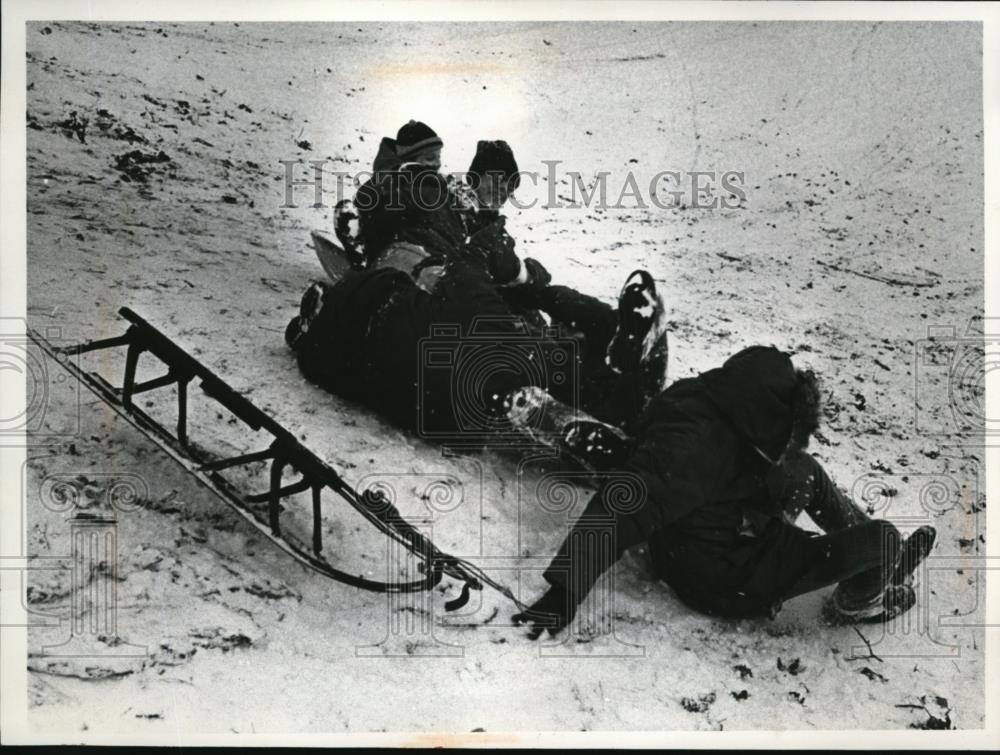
365 346
407 202
698 469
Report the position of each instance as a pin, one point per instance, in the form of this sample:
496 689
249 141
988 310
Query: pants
754 575
443 361
617 399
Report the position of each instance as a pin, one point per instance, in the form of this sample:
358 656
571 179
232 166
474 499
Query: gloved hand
495 247
538 276
528 295
553 611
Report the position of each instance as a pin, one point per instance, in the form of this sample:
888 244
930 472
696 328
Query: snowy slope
862 157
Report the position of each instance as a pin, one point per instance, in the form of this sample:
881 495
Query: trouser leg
783 560
612 397
595 319
517 357
467 296
570 310
861 558
858 552
756 575
800 484
616 398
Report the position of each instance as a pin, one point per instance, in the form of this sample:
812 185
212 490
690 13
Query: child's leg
861 558
800 484
858 552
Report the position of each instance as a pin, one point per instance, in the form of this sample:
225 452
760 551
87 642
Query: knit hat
496 158
415 137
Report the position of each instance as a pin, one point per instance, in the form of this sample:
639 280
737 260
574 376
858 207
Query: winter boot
347 227
640 341
309 309
914 550
887 605
599 445
589 442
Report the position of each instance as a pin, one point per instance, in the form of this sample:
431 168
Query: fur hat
496 157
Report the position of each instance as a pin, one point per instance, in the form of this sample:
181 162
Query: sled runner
284 451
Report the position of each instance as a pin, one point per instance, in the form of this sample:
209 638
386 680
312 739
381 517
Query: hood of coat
755 390
392 156
386 159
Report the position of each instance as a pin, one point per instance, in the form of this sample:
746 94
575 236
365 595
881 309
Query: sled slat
294 488
237 461
317 520
104 343
182 386
151 385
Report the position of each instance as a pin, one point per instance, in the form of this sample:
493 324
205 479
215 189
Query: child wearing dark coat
718 476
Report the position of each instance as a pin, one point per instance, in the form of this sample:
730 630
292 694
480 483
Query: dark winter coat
698 467
489 240
411 203
366 344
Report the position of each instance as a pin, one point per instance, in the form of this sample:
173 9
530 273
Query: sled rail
284 451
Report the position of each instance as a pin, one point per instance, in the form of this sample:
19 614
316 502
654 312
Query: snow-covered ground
861 146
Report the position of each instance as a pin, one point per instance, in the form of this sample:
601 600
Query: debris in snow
700 705
744 670
794 668
938 713
74 125
138 165
873 675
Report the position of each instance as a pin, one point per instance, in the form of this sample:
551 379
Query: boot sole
632 341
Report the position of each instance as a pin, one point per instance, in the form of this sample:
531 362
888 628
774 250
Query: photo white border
15 13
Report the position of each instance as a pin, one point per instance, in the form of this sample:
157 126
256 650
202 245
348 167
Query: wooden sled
284 451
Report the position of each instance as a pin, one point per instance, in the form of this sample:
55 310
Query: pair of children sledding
720 457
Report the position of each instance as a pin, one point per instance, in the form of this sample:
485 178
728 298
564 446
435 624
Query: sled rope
285 451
